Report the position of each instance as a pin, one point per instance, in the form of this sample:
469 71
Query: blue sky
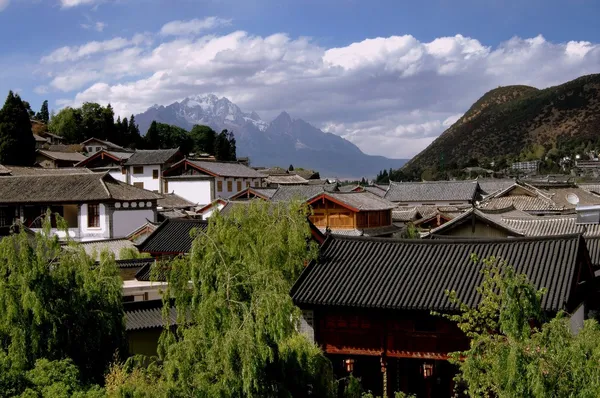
390 96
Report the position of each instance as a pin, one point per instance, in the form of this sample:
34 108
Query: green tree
30 112
68 124
203 138
43 115
17 145
225 146
508 357
152 139
291 168
56 304
135 139
237 332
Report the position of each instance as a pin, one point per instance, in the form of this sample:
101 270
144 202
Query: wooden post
384 375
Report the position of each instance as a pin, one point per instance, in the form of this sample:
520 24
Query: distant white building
202 182
145 168
94 145
94 205
108 161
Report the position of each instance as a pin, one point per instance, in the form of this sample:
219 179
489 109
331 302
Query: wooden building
367 302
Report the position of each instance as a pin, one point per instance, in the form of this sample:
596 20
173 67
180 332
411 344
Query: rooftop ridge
458 240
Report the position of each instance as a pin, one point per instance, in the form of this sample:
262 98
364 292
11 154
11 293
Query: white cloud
193 27
41 90
75 3
390 96
97 26
4 4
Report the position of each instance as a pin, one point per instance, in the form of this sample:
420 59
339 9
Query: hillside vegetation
508 120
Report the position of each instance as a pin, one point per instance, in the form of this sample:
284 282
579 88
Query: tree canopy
510 355
57 304
17 145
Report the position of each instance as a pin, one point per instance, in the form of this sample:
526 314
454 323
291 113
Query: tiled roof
307 174
172 236
146 315
108 144
370 232
552 225
17 171
37 138
283 179
154 156
65 156
134 263
404 214
414 274
521 202
589 187
378 190
113 155
173 201
431 191
4 170
361 201
68 188
148 274
559 196
467 216
300 192
111 245
226 169
492 185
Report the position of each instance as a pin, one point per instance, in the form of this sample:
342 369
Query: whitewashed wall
246 182
102 232
196 191
128 220
118 175
150 183
209 212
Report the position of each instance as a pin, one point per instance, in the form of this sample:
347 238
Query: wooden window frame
136 169
219 186
155 174
239 186
229 186
93 215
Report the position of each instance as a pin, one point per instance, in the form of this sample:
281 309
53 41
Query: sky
390 76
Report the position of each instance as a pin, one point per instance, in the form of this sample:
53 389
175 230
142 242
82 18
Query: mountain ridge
507 120
281 142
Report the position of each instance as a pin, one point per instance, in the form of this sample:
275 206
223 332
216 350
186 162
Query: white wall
102 232
206 215
118 175
128 220
196 191
253 183
146 177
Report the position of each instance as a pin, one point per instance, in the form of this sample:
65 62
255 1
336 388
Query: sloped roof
300 192
37 138
521 202
111 245
404 214
116 156
590 187
4 170
291 179
172 236
146 315
148 274
69 188
226 169
173 201
17 171
368 232
552 225
378 190
153 156
108 144
74 157
559 196
359 201
431 191
482 216
249 193
414 274
490 186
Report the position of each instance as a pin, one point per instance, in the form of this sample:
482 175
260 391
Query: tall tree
225 147
56 304
203 138
30 112
135 138
17 145
110 130
68 124
291 168
232 146
152 138
237 334
44 115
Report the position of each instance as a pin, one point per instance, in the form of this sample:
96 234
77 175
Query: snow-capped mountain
281 142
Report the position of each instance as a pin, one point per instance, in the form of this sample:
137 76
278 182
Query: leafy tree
30 112
56 304
291 168
17 145
68 123
135 139
225 146
203 138
43 115
152 139
237 331
508 357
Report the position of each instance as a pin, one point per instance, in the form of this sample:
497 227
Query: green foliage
237 324
225 147
165 136
67 123
131 253
56 305
17 145
411 232
204 139
43 115
508 357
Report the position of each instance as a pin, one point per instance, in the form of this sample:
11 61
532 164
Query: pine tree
17 145
291 168
110 130
232 147
44 115
134 134
152 139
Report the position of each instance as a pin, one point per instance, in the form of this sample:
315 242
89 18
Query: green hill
507 120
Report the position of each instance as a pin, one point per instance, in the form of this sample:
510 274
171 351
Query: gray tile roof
362 201
404 214
153 272
552 225
17 171
95 248
69 188
521 202
369 232
147 315
172 236
4 170
173 201
432 191
300 192
108 144
227 169
378 190
286 179
590 187
490 186
74 157
467 216
154 156
414 274
559 196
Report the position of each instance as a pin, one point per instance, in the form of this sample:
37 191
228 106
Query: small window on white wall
93 216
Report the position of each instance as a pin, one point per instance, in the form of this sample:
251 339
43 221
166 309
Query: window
155 174
123 170
138 170
3 218
166 190
239 186
138 185
93 216
98 149
219 186
256 184
247 184
229 186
